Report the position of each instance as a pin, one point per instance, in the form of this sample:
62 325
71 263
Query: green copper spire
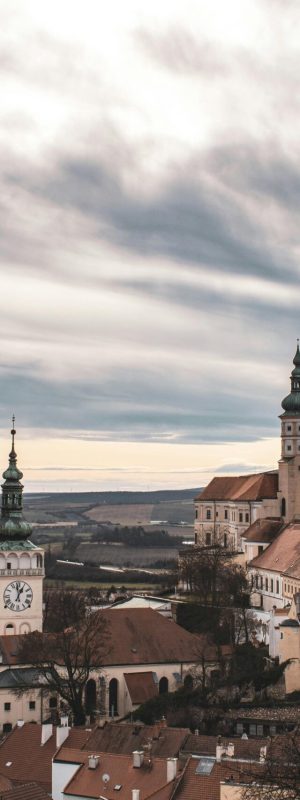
12 524
291 403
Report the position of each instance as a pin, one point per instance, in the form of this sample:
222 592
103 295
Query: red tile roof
264 530
27 791
142 636
244 487
141 686
248 749
123 738
193 786
88 782
138 636
283 555
30 760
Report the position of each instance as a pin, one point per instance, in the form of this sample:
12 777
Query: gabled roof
260 486
264 530
247 749
283 555
126 737
196 786
142 636
27 791
88 782
27 758
142 686
138 636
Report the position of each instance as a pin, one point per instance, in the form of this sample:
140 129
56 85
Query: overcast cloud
149 220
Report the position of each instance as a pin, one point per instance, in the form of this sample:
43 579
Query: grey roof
13 678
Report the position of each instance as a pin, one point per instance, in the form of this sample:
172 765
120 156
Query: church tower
21 562
289 464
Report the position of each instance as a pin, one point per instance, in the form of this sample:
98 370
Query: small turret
12 524
291 403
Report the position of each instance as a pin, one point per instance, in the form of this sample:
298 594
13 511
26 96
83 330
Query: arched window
102 694
208 539
163 686
283 507
90 696
24 627
39 560
113 697
9 629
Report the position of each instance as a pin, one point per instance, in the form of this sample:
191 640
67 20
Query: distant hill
109 498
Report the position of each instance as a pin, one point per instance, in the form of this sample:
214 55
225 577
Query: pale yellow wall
231 791
289 647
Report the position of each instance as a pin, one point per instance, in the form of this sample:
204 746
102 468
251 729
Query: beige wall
289 647
231 791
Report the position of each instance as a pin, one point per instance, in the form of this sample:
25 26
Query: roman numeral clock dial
17 596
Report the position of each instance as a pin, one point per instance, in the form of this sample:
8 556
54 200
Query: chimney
62 733
135 794
93 762
171 769
163 723
20 723
64 721
230 749
47 730
220 750
196 732
138 758
262 754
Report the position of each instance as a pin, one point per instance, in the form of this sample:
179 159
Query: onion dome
12 524
291 403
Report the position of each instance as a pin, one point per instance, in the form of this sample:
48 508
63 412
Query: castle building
21 561
229 506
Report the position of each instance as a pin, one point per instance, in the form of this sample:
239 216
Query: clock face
17 596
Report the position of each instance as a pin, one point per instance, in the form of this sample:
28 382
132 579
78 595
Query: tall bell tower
21 562
289 464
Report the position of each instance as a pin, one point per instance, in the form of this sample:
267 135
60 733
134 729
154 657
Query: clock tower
21 562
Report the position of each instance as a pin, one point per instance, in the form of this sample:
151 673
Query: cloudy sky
149 302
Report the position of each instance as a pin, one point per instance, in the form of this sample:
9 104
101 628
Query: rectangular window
7 706
208 513
277 587
32 705
260 549
208 538
261 582
53 702
252 729
272 585
267 584
225 514
225 539
289 447
240 517
196 513
260 730
257 581
289 428
246 517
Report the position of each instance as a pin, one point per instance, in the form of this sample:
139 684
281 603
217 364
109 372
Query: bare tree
64 659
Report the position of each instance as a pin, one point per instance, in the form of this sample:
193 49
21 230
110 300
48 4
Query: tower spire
12 524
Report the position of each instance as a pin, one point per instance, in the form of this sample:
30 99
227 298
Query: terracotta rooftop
264 530
142 686
27 791
247 749
138 636
244 487
24 759
123 738
283 555
142 636
196 786
88 782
